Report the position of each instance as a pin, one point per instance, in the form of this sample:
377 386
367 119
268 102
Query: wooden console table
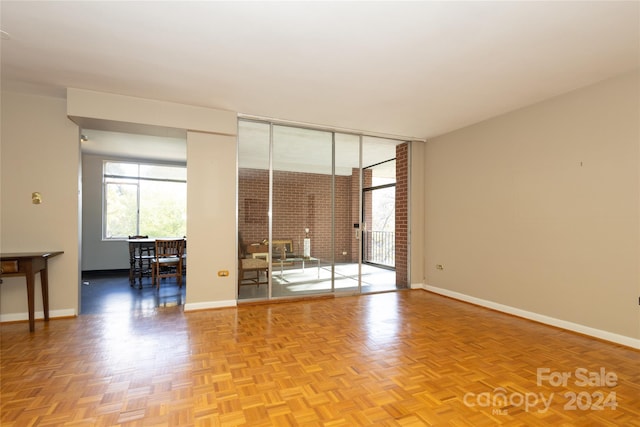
28 264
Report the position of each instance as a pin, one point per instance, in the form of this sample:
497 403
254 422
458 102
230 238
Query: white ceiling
414 69
134 145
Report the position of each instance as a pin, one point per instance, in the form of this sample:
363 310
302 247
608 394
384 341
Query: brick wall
402 215
300 200
253 205
344 226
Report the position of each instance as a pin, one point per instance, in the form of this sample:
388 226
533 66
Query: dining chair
252 265
140 257
247 267
168 260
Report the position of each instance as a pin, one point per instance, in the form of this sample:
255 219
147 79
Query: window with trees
144 199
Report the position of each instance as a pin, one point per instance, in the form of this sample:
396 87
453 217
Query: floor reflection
383 321
110 293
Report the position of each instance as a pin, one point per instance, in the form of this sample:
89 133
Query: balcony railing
379 248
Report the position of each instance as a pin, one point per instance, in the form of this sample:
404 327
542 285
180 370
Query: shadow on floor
110 292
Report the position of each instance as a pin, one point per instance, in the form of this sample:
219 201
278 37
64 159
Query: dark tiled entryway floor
109 292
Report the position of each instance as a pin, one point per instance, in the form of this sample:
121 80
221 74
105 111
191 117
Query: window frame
136 181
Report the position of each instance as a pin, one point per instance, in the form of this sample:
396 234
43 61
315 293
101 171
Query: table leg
30 276
44 281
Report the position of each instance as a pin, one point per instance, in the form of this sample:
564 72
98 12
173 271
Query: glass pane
379 214
379 241
383 173
313 245
347 201
121 210
301 243
163 208
253 209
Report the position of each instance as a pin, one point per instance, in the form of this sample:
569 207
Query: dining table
141 255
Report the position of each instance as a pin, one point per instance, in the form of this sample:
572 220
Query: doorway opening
133 184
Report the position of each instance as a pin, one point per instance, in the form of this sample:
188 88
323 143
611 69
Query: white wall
40 152
96 253
538 210
211 212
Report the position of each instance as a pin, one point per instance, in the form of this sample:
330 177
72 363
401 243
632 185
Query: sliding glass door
302 220
253 210
316 212
378 271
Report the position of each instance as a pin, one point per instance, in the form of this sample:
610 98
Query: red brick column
402 215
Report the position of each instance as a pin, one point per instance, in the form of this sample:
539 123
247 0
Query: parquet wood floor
409 358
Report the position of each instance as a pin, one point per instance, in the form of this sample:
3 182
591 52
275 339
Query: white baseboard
209 305
575 327
17 317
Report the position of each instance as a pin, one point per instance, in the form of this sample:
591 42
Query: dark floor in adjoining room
110 292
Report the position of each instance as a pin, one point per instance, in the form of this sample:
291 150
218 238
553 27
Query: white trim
17 317
209 305
417 286
575 327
